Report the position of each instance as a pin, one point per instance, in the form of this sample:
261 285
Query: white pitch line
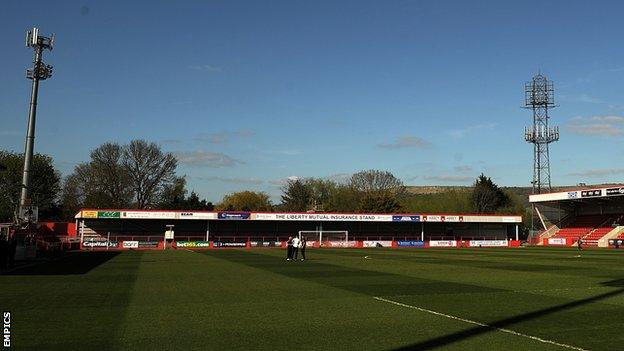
508 331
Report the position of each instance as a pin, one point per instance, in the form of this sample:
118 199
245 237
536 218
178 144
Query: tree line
139 175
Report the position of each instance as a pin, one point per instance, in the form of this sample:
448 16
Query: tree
297 196
487 197
193 203
44 185
150 170
173 196
245 201
379 204
376 182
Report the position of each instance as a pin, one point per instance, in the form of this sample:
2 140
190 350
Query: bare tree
149 170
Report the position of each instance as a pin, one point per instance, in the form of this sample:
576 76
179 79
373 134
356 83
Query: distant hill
522 191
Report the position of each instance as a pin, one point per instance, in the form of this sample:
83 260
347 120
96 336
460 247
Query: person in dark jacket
289 245
302 247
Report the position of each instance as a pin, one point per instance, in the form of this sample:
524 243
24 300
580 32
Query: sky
248 94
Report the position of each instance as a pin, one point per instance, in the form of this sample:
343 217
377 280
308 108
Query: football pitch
396 299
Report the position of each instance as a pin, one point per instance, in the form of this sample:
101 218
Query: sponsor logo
193 244
6 329
433 218
615 191
100 243
146 244
410 243
406 218
186 214
443 243
572 194
266 243
556 241
234 215
591 193
377 243
89 214
222 244
109 214
339 243
488 243
130 244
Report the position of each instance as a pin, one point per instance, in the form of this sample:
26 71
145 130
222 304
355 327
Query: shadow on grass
503 323
375 283
73 263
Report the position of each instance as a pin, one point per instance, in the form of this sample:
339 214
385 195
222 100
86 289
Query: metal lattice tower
39 71
539 96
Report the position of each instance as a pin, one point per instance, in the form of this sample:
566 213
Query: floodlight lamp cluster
34 40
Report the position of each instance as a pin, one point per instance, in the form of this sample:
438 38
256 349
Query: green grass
254 299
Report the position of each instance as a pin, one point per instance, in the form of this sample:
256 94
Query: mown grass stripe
504 330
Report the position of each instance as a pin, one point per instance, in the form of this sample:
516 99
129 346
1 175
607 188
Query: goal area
325 237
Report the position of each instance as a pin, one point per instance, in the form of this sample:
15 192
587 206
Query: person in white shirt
296 242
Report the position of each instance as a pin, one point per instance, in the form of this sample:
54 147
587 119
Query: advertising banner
266 243
234 215
406 218
321 217
410 243
488 243
591 193
432 218
148 215
148 244
339 243
197 215
615 191
109 214
193 244
100 243
226 244
443 243
616 242
130 244
89 214
377 243
556 241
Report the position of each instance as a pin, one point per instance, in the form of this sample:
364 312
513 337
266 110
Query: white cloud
206 159
283 181
597 125
590 99
597 173
408 141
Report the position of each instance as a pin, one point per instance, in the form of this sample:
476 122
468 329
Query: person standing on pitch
289 245
580 244
295 245
302 245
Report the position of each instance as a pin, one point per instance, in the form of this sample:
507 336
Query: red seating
584 225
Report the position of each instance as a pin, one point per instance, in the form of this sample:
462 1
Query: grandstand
111 228
593 215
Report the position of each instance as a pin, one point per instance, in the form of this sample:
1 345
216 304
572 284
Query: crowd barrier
150 243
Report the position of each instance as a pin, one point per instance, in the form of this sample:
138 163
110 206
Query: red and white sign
443 243
488 243
339 243
377 243
557 241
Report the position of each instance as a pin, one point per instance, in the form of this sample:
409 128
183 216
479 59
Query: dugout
200 225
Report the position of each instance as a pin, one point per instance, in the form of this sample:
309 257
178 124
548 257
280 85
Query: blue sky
249 93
